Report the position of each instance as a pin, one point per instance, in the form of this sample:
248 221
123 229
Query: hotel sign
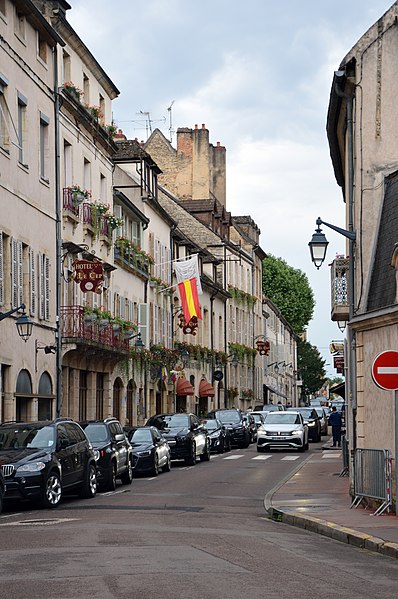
89 274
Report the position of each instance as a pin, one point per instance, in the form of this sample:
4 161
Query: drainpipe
352 398
58 235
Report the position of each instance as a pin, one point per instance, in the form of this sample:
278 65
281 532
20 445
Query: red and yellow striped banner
189 299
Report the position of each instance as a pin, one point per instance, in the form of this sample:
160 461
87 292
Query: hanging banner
187 269
89 274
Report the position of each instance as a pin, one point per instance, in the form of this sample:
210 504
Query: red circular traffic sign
385 370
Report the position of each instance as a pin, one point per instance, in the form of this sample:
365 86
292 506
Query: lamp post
23 323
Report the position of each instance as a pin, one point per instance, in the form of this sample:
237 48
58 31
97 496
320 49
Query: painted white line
112 493
335 454
262 457
290 458
234 457
387 369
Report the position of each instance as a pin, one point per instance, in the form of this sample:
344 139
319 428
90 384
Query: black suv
236 424
186 436
41 460
115 452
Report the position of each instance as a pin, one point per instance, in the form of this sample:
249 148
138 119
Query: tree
311 367
290 291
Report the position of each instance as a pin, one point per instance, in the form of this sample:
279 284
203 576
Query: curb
335 531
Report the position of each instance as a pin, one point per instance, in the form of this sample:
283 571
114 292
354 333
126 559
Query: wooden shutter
1 269
41 286
32 282
14 273
46 283
143 322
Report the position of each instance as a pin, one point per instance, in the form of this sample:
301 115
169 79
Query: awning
184 387
338 389
275 390
205 389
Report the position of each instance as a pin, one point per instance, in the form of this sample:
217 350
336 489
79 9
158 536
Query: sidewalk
316 498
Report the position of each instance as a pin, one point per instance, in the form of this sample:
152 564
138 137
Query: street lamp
319 244
23 323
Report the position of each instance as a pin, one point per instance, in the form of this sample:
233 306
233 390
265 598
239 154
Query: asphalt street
195 533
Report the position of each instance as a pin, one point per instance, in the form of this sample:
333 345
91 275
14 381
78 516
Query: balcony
75 329
131 258
339 289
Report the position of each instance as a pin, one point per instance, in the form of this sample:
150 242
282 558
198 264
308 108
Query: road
195 533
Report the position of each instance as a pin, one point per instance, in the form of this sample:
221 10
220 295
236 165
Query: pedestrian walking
335 423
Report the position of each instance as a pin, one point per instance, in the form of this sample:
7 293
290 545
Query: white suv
285 430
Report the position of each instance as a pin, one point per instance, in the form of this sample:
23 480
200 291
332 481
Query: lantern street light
319 244
23 323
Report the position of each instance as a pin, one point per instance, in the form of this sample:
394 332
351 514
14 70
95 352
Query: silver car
285 430
324 419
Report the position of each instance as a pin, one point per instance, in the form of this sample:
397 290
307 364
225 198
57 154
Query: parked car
186 436
151 451
251 425
115 452
42 460
283 430
312 419
324 419
2 489
269 407
235 423
258 417
220 439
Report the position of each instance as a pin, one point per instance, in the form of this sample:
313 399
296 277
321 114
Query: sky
258 74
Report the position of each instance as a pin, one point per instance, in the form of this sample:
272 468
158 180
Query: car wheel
127 476
89 488
155 469
205 457
191 459
52 492
167 466
111 483
245 444
302 448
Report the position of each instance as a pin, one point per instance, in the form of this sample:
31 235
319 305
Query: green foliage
311 367
290 291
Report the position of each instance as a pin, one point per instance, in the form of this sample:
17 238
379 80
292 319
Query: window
4 115
68 179
1 269
87 174
103 194
43 166
99 400
102 109
41 48
86 88
66 73
3 7
21 127
83 395
20 25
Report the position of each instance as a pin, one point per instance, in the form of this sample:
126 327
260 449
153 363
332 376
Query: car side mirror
119 437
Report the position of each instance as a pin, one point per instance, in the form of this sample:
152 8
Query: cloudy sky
258 74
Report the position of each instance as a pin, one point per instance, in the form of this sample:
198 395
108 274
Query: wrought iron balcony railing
75 329
339 289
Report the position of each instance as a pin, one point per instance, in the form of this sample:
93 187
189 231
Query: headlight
144 453
32 467
296 432
96 454
311 423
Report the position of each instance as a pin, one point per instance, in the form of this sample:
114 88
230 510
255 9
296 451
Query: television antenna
171 131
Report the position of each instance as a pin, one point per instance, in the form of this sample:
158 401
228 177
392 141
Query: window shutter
14 273
155 324
32 282
20 273
41 286
143 322
1 269
157 257
46 269
122 307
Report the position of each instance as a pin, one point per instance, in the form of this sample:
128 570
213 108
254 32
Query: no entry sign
385 370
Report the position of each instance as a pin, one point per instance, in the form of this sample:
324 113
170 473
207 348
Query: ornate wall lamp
23 323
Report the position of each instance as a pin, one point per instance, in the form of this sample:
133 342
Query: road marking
234 457
113 492
334 454
41 522
290 458
262 457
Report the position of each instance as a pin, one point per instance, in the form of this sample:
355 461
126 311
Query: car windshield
319 411
272 408
211 424
257 417
275 418
229 416
97 433
171 421
24 437
141 435
307 413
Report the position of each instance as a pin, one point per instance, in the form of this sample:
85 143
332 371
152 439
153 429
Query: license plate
278 438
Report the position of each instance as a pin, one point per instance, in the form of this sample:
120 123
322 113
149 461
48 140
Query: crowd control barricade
372 477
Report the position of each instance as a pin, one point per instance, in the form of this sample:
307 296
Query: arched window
45 398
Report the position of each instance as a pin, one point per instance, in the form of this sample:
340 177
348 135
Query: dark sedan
151 452
220 439
312 419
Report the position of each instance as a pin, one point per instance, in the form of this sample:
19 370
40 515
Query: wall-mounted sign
385 370
218 375
338 363
89 274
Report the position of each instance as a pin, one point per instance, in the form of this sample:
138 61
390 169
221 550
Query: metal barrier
345 455
372 477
